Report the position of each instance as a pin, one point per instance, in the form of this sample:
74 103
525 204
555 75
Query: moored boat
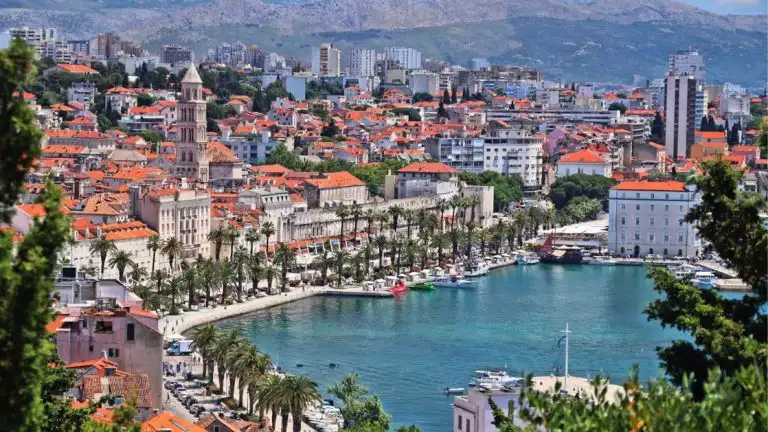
527 259
477 269
562 255
453 282
704 280
399 288
423 286
602 260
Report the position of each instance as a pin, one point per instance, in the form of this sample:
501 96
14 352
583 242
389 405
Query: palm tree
250 363
217 236
230 361
223 345
357 265
424 237
356 211
473 201
151 300
299 392
269 274
239 266
267 230
255 272
510 234
225 275
102 247
172 289
454 203
207 271
138 273
411 251
395 212
396 244
442 206
285 257
339 258
154 244
410 217
382 217
367 252
439 242
121 259
172 248
370 217
342 212
230 237
470 236
381 244
323 261
269 396
252 236
520 223
189 282
454 236
485 237
203 339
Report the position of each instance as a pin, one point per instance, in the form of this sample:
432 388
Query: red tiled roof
711 135
134 385
335 180
428 167
664 186
75 68
54 325
167 421
582 156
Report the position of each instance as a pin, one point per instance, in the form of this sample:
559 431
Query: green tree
726 333
102 247
285 257
330 129
144 99
217 236
299 393
173 249
267 230
446 97
282 156
423 97
151 136
154 244
360 412
26 270
617 106
569 187
121 259
657 128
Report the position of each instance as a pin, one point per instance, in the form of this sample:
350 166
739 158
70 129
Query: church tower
191 138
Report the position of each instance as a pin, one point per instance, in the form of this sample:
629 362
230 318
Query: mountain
606 40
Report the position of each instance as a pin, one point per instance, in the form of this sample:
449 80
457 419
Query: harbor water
408 350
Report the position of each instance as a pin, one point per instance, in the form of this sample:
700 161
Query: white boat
602 260
704 280
453 282
454 390
683 271
527 259
494 378
477 269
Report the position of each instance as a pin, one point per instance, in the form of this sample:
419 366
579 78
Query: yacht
683 271
703 280
493 378
527 259
453 282
477 269
602 260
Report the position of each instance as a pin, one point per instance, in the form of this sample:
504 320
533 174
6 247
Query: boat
423 286
561 255
453 282
477 269
683 271
704 280
493 378
527 259
454 390
399 288
603 260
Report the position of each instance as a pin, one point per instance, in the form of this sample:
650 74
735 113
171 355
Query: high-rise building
46 42
479 63
326 61
688 62
175 53
424 82
362 62
192 141
409 58
680 115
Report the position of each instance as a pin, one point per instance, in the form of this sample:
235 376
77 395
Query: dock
717 269
733 285
354 292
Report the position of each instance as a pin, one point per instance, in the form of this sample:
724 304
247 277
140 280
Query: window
637 207
215 428
651 237
637 195
623 206
666 222
623 220
131 328
113 352
637 236
623 236
652 221
666 196
666 207
666 238
637 221
680 238
653 207
461 420
103 326
468 425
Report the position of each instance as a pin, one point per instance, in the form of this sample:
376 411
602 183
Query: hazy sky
750 7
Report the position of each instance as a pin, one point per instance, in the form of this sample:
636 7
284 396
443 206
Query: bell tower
191 138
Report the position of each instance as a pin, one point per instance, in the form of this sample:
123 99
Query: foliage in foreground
730 404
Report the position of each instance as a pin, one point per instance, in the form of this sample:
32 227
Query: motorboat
527 259
423 286
683 271
453 282
454 390
704 280
399 288
562 255
477 269
602 260
493 378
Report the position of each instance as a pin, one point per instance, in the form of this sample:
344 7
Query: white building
192 140
326 61
687 62
584 162
409 58
480 63
362 62
251 145
649 218
424 82
296 86
82 92
680 115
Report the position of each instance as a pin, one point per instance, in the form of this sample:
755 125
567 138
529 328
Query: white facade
570 168
362 62
680 114
688 62
409 58
326 61
510 151
252 148
192 139
424 82
82 92
648 217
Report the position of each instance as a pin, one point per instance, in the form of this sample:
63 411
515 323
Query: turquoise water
407 350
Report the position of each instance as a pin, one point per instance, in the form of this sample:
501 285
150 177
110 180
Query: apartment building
362 62
649 218
680 114
326 60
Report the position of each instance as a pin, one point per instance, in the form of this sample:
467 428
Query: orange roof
664 186
61 107
335 180
54 325
102 415
219 153
167 421
144 110
27 96
75 68
36 210
62 149
81 121
744 148
427 167
582 156
711 135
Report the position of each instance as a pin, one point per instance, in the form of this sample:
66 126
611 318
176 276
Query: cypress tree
704 124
